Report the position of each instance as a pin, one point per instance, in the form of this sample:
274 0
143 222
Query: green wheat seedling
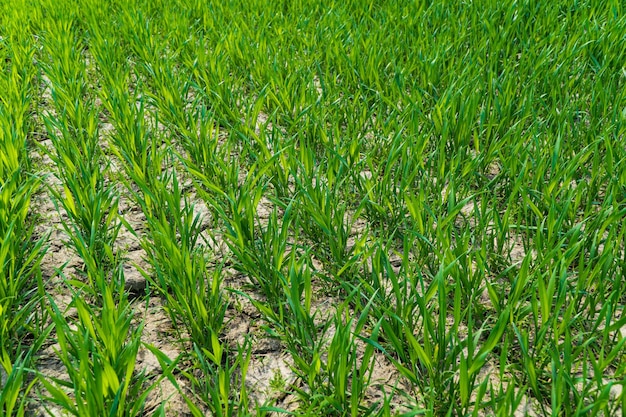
14 392
20 256
339 381
219 378
180 263
99 352
301 332
91 205
329 222
266 260
387 181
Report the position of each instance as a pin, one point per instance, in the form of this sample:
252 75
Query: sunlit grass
447 179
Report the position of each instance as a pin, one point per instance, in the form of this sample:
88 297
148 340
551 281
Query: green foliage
452 175
99 352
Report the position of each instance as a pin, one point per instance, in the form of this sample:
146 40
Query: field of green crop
296 207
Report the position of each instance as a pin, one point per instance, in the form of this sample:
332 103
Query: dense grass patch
436 188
